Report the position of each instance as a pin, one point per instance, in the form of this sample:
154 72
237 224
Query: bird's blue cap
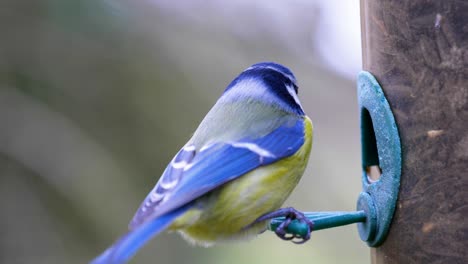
277 80
274 66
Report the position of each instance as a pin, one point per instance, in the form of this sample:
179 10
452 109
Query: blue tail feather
124 248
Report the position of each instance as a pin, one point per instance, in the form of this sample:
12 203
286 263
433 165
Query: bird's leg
290 214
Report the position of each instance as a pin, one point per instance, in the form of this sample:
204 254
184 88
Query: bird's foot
290 214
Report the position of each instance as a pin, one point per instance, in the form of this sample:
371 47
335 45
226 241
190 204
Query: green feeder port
380 149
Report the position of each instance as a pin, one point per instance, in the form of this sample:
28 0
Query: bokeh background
97 96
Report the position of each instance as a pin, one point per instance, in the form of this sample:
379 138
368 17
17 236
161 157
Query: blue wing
192 174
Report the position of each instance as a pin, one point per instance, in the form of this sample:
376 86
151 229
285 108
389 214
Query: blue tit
236 171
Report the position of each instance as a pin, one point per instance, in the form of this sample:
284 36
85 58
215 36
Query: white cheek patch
292 92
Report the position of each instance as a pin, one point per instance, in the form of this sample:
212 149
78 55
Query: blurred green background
97 96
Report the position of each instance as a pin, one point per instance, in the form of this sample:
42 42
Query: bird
234 173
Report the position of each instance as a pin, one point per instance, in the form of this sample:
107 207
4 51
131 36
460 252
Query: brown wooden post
418 51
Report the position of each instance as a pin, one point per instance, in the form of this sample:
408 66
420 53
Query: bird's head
268 82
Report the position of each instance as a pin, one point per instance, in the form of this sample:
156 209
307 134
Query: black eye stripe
277 83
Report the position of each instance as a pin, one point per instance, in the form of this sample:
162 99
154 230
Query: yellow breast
223 213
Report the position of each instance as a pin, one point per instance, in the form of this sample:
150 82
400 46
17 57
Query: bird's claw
290 214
